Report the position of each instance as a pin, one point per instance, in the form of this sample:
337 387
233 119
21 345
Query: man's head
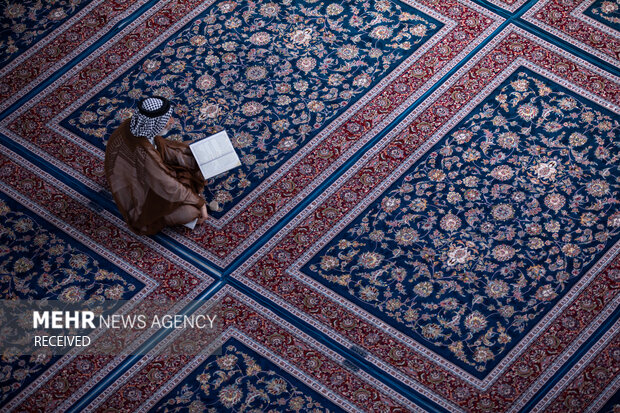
152 117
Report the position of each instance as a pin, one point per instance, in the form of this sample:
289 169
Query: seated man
155 182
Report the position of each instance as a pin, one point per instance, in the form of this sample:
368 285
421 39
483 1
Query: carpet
426 217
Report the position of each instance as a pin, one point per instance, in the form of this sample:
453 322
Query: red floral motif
32 125
587 385
61 46
128 248
269 270
271 100
516 379
265 332
418 253
561 16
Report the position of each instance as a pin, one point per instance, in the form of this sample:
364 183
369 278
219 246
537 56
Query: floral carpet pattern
427 215
38 263
589 26
238 380
42 37
44 125
133 269
207 379
607 12
26 22
491 227
276 76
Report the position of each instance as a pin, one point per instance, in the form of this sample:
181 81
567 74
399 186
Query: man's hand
203 214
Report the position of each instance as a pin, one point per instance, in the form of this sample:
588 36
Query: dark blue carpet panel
425 218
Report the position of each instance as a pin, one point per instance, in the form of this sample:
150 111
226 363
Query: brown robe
153 188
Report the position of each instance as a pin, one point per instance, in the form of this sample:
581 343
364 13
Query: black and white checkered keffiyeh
151 117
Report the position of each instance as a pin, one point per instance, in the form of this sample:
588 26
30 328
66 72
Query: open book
215 154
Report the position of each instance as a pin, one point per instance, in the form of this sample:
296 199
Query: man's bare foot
214 206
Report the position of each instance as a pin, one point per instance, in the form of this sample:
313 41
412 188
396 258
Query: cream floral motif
237 381
24 22
466 251
608 11
37 264
271 74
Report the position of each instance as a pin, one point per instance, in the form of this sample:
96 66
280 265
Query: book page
191 224
212 147
215 154
220 165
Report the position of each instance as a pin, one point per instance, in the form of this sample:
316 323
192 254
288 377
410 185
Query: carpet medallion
426 218
38 209
273 79
490 228
300 88
474 229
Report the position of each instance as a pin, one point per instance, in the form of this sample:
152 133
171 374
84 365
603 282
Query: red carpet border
274 270
61 46
292 363
166 278
566 19
274 339
35 125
